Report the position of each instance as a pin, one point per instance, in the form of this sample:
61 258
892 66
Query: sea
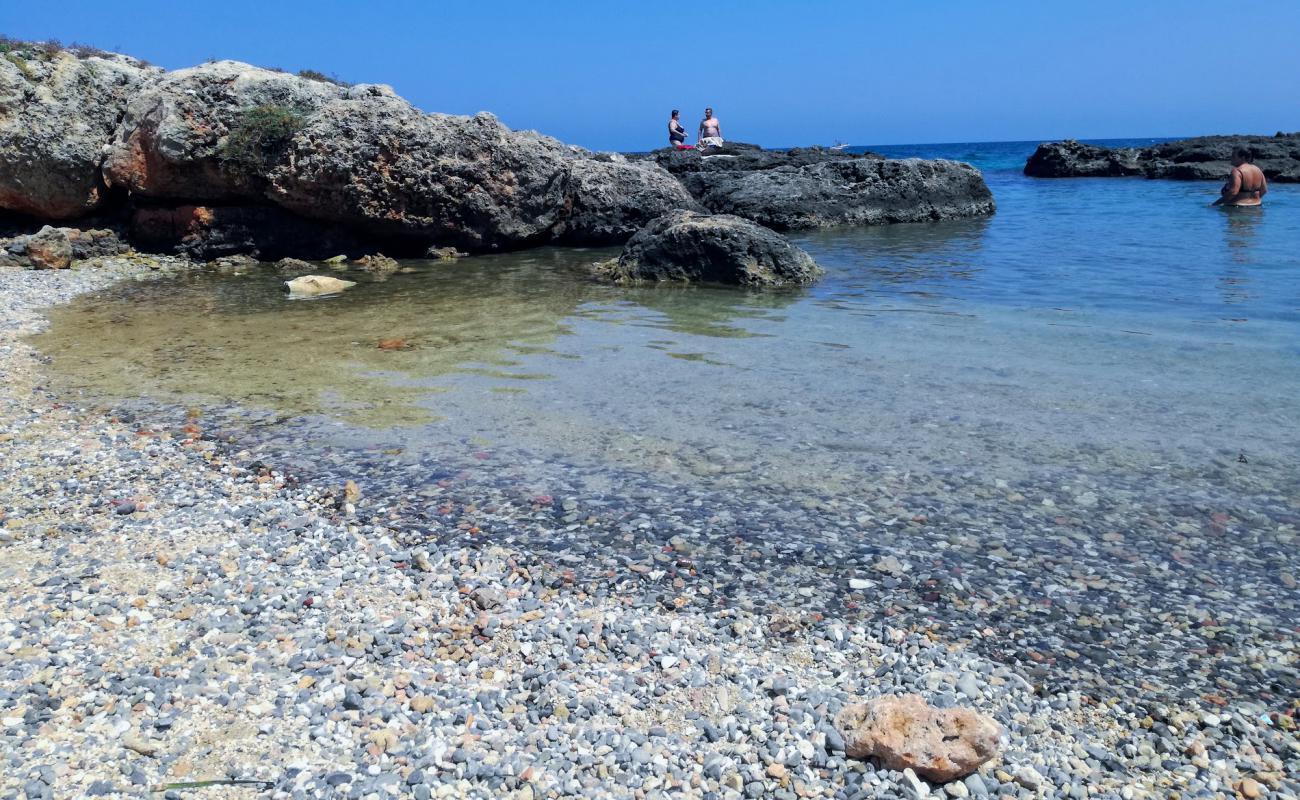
1101 379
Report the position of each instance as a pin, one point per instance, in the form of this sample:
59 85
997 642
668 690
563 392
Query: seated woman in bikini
1246 185
676 133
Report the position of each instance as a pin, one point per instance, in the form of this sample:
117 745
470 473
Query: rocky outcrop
1076 159
940 745
611 198
379 164
815 187
227 158
712 248
209 232
1207 158
57 110
57 248
179 138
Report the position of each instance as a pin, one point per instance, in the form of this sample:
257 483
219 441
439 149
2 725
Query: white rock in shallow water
313 285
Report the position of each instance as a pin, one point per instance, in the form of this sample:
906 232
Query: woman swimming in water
1246 185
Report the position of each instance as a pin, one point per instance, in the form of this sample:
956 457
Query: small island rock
714 248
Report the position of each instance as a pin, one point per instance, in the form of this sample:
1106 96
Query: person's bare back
1246 185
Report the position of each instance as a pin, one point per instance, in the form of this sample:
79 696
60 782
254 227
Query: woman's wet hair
676 112
1243 153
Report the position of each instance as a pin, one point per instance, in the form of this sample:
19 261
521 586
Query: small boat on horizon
838 145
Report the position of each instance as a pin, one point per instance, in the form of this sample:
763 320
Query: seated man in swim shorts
710 130
1246 185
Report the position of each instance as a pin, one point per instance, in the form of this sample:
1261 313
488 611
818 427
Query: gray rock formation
57 248
1209 158
814 187
57 110
610 198
712 248
178 131
1205 158
227 158
1075 159
379 164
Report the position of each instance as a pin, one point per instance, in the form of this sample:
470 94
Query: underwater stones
315 285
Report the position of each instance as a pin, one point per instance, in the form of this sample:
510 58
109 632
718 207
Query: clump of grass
259 138
316 75
48 48
21 63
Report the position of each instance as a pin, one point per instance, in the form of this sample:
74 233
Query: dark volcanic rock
1209 158
57 110
1205 158
714 248
1073 159
610 198
208 232
816 187
58 248
383 166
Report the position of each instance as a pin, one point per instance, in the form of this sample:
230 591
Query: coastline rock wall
57 110
225 157
1204 158
169 143
816 187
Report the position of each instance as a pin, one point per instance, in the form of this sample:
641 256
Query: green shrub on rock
259 138
317 75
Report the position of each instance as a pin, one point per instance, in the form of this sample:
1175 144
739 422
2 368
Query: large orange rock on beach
939 744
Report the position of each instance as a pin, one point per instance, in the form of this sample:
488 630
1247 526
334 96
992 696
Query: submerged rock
816 187
940 745
378 262
57 110
1207 158
715 248
312 285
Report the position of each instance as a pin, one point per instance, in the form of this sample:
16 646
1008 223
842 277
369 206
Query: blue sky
604 75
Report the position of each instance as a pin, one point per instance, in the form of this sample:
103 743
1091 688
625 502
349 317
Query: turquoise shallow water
1117 313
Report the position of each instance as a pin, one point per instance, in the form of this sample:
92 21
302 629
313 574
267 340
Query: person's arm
1263 184
700 133
1233 187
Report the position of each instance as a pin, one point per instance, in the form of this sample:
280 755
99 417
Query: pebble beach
185 618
